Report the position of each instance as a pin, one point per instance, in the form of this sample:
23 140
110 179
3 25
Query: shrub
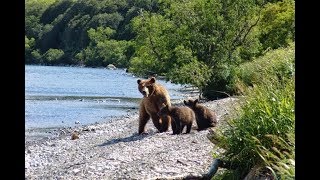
53 56
36 56
221 83
195 73
272 67
263 133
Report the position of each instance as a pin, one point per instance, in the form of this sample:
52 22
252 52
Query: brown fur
182 116
204 116
154 97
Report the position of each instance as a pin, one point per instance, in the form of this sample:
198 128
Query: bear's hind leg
181 128
200 125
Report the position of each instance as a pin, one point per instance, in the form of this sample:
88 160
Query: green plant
277 26
53 56
267 69
263 133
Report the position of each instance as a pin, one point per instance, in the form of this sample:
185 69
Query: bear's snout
145 91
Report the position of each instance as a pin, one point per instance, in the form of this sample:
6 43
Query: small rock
27 165
74 136
51 144
92 167
111 66
76 171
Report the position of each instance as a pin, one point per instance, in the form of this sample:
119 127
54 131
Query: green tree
152 47
53 56
28 46
213 33
278 24
36 56
111 20
33 11
64 24
103 50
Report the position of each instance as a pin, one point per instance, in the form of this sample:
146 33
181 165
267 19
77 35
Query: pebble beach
114 150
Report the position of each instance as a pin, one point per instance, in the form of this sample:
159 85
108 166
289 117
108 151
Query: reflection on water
61 96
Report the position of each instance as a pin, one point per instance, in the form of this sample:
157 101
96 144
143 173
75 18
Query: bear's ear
152 80
185 102
138 81
163 105
196 101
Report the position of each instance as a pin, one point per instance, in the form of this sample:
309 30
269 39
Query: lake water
58 96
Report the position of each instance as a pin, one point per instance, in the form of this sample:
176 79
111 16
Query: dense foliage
197 42
102 50
273 66
263 132
66 25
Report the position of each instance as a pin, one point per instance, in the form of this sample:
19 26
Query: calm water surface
58 96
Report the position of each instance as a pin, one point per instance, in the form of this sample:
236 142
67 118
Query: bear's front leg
166 120
188 128
156 121
143 119
173 126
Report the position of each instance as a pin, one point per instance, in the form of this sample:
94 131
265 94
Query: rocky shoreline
114 150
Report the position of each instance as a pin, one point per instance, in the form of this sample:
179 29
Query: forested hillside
198 42
89 32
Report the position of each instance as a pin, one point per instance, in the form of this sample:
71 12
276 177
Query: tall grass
267 69
263 133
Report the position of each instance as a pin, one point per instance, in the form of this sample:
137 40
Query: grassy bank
262 134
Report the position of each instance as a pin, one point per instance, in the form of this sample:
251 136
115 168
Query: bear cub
205 118
182 116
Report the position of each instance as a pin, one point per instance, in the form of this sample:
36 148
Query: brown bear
154 97
182 116
205 118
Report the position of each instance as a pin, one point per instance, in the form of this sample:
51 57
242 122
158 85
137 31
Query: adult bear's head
146 86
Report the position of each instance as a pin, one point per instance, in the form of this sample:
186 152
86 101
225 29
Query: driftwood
212 171
214 168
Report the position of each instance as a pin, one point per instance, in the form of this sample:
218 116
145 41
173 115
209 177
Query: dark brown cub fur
182 116
204 116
